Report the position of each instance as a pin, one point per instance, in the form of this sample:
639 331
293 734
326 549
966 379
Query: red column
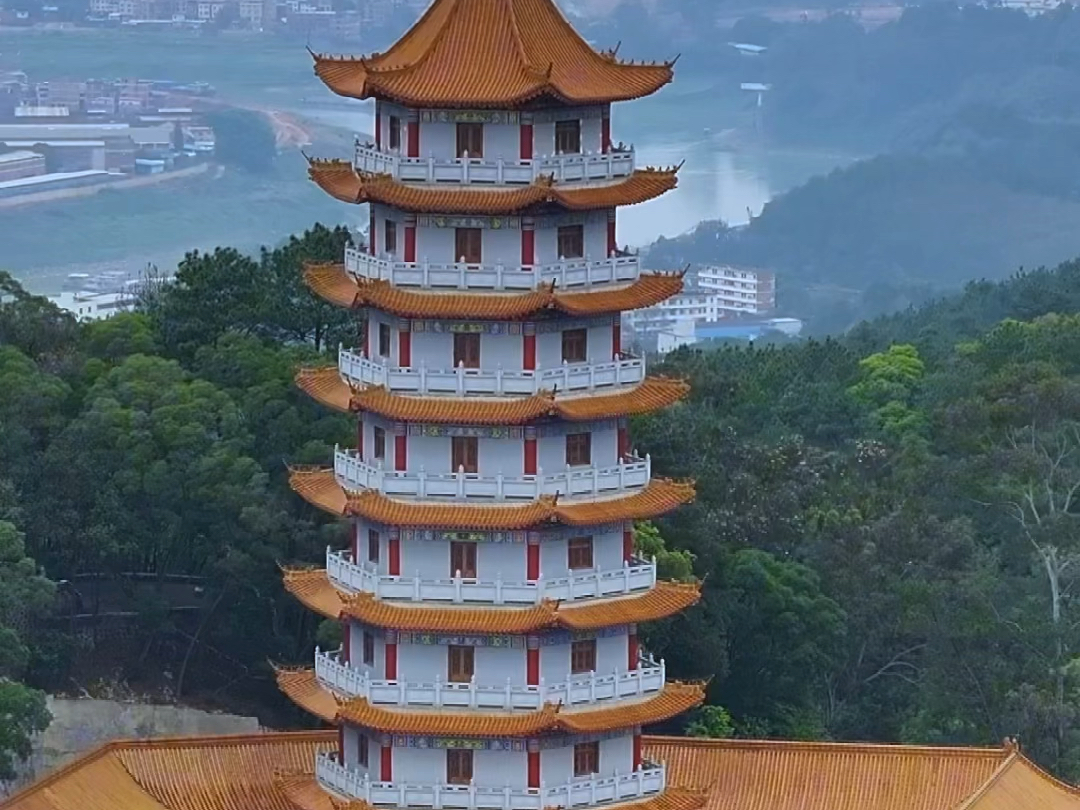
394 553
404 344
341 744
534 763
530 451
532 557
346 642
391 655
528 244
378 129
637 750
628 542
632 649
386 763
624 443
611 245
616 336
605 134
528 347
413 138
532 661
526 141
410 239
371 231
401 448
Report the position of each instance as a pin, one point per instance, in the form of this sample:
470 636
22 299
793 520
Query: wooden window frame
579 449
583 656
466 656
579 553
363 756
389 237
469 137
368 651
575 345
468 456
467 571
395 133
378 443
587 758
571 241
385 340
467 349
373 546
459 766
568 137
469 245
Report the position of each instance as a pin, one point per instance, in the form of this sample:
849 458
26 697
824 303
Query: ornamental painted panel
470 117
430 535
559 324
472 640
481 327
478 431
562 428
582 113
490 223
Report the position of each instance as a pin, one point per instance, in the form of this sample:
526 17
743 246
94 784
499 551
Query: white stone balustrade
580 584
566 378
339 677
354 473
583 167
566 273
591 790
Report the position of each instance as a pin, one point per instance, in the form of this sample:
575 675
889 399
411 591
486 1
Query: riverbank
141 181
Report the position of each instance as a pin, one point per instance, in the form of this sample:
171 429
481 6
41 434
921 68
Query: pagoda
490 596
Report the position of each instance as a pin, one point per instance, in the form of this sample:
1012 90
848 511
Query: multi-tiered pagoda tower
490 597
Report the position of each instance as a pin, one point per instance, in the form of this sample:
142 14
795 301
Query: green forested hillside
886 524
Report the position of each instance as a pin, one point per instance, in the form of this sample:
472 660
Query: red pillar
628 542
413 137
616 336
528 245
632 651
532 661
624 443
410 239
404 345
526 151
534 764
378 129
371 231
346 642
637 750
386 763
605 134
394 553
611 245
528 347
391 655
532 557
530 451
341 744
401 448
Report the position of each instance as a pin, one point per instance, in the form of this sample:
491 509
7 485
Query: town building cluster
59 135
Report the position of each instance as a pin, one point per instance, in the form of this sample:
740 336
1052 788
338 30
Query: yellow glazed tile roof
332 283
312 588
326 386
303 688
319 487
273 772
491 53
341 181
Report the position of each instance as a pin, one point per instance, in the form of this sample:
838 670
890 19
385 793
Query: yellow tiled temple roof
312 587
333 284
304 689
274 771
325 385
491 53
341 181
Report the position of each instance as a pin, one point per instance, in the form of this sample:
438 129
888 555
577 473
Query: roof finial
671 64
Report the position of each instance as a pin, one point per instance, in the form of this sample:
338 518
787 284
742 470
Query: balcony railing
355 473
589 688
566 273
565 168
593 790
641 576
359 370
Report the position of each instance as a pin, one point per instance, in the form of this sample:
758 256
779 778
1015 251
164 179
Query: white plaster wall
595 233
422 663
385 110
370 423
544 135
356 650
551 450
439 140
616 756
607 554
359 540
375 317
490 768
431 560
598 350
352 747
611 655
436 349
434 454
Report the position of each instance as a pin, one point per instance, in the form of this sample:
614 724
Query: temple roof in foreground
325 385
332 283
491 53
313 588
304 689
274 771
341 181
320 488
